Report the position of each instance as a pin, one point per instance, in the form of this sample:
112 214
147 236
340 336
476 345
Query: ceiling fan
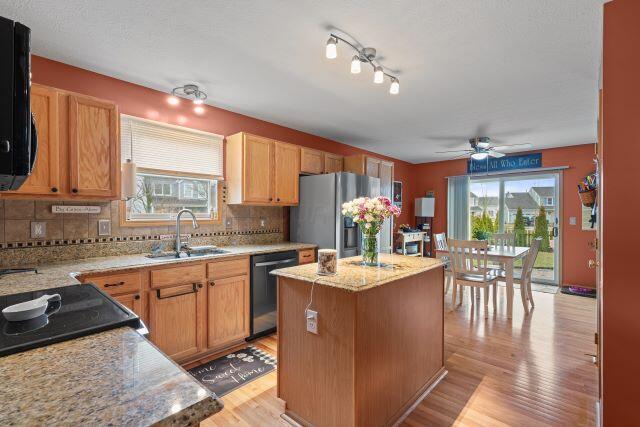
481 148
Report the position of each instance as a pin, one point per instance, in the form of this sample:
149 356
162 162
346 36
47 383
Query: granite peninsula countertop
116 377
354 277
63 273
111 378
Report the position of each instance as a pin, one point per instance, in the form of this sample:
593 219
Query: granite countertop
354 277
63 273
112 378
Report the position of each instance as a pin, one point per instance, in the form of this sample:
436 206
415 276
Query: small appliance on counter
425 210
18 138
70 312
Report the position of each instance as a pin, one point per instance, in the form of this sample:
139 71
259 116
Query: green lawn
544 260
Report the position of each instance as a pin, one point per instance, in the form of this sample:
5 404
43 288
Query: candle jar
327 261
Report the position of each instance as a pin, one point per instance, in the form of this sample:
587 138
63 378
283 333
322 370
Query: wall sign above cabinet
506 163
76 209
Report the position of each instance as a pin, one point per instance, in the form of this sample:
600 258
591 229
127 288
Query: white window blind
163 147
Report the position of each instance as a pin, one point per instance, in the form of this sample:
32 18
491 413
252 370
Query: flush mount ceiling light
190 92
366 55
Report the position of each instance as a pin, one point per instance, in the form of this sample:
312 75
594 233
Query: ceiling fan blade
496 154
499 147
454 151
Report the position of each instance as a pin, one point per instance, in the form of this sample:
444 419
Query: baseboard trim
421 395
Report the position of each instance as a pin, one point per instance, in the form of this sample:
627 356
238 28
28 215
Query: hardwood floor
532 370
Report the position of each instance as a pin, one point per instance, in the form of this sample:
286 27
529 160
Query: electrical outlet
38 230
104 227
263 223
228 223
312 321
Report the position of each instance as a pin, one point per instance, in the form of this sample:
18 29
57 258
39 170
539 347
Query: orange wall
576 250
140 101
620 284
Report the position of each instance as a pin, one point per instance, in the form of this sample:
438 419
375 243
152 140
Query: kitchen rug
577 290
234 370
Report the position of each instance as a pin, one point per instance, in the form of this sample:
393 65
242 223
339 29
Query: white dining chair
505 240
469 268
527 270
441 245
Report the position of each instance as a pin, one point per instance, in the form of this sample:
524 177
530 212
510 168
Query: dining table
505 256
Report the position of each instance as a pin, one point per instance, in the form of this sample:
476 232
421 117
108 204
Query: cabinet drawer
306 256
115 284
230 268
177 276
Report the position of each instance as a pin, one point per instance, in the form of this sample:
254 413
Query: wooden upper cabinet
287 169
261 171
228 310
45 177
332 163
372 167
311 161
94 154
257 165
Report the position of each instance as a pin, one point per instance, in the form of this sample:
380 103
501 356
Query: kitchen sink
172 255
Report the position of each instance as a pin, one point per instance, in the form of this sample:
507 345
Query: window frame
125 222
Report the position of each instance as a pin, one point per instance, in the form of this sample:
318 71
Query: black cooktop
82 310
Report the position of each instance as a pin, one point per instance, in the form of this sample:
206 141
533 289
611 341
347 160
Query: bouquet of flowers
369 214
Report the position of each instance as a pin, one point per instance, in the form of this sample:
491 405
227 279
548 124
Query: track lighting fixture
364 55
191 92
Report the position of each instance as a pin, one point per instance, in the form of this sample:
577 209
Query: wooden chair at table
507 241
527 270
469 267
441 245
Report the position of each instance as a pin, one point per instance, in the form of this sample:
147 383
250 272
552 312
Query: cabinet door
332 163
385 173
94 147
45 177
176 319
287 169
257 168
311 161
132 301
372 167
228 310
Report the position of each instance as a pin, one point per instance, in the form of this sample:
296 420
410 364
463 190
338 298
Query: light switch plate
38 230
104 227
312 321
228 223
572 220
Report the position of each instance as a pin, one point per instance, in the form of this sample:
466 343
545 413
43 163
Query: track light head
331 50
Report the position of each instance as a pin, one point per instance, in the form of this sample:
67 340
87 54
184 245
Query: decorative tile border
112 239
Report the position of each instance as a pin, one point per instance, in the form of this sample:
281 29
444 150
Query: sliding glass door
527 205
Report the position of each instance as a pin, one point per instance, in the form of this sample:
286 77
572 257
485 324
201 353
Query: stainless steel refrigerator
318 217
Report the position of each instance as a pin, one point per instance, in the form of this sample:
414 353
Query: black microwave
18 138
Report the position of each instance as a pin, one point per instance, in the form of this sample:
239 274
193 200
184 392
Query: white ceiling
519 70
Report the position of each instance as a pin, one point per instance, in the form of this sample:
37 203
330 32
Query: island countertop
354 277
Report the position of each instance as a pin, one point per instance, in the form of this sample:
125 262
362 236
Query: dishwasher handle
283 261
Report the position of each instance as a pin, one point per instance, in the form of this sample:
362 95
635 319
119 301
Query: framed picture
397 193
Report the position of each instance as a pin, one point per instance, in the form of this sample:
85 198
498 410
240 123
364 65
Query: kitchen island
379 347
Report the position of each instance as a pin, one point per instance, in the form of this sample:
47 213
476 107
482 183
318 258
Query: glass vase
370 249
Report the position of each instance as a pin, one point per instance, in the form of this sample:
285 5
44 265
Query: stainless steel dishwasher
264 290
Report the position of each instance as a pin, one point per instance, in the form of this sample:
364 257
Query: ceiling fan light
355 65
378 74
483 144
331 51
394 89
481 155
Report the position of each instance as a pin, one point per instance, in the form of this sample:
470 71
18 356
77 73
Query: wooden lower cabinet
176 317
228 310
132 301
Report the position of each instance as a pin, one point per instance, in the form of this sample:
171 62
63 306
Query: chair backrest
468 256
441 241
530 260
506 240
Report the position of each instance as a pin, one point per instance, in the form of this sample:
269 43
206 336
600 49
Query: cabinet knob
200 285
54 189
74 190
278 199
212 283
136 297
270 199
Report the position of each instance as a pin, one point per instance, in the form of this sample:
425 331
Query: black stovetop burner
82 310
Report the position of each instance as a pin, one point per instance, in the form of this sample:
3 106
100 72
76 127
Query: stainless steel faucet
195 225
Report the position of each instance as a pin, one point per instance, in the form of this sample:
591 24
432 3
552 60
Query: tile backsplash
240 224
